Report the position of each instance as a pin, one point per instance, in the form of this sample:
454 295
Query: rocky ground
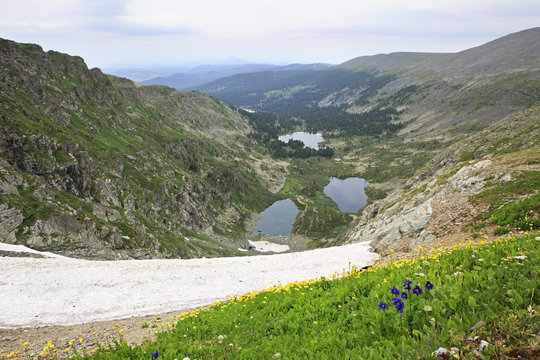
134 330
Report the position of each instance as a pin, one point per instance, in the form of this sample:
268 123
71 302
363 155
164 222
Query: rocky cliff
97 166
441 202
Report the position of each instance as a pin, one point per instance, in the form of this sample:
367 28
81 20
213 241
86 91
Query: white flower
520 257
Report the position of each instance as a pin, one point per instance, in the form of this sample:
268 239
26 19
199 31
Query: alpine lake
348 194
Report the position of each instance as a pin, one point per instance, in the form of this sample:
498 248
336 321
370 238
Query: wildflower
155 355
407 286
395 291
404 295
429 285
398 304
417 290
383 306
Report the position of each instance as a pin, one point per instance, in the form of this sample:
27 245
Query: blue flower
404 295
407 285
399 305
350 311
417 290
155 355
429 285
395 291
383 306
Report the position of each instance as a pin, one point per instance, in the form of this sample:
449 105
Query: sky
142 33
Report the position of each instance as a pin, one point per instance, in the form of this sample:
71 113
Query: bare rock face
404 217
10 219
470 178
387 230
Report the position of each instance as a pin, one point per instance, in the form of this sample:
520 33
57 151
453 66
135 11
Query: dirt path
134 331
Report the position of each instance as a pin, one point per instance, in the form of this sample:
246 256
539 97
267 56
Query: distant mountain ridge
439 95
190 79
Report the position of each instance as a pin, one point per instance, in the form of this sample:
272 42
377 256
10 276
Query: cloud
160 31
125 27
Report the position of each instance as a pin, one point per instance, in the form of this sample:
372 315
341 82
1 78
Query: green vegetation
273 92
449 292
319 215
81 138
389 157
515 203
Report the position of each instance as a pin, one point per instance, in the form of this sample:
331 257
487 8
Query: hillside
484 185
434 96
97 166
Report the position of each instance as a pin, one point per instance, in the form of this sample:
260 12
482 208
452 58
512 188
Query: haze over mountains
194 77
93 165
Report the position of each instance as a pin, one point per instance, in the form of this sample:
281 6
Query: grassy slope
493 282
171 152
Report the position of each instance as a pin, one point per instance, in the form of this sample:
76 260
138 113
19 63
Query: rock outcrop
96 166
407 214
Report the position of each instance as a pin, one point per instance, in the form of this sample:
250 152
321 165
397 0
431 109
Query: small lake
309 140
349 193
277 219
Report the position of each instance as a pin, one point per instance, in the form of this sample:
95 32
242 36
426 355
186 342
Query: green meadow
443 293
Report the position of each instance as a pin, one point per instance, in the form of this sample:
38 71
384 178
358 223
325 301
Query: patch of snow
22 248
266 246
64 291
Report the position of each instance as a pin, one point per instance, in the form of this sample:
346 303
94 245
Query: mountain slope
482 183
438 96
97 166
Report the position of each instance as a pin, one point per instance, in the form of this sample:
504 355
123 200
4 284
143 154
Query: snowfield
63 291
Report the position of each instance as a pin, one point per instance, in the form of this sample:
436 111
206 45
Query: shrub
500 230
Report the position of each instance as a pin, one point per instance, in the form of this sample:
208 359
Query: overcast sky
108 33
